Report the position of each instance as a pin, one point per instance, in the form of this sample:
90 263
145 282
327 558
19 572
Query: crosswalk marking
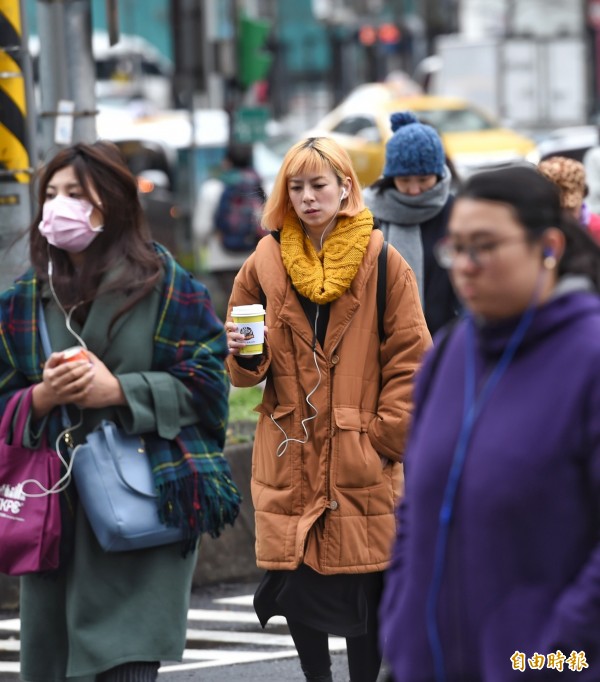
231 617
9 667
10 625
10 645
226 658
243 600
251 642
229 637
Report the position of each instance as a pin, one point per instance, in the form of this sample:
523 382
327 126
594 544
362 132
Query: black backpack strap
261 294
381 289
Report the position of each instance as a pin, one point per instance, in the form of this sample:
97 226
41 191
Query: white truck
528 83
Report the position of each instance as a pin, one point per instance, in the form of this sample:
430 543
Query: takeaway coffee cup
250 320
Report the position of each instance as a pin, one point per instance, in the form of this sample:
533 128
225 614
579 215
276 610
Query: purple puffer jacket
522 568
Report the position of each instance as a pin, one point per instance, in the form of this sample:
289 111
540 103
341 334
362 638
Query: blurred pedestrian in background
412 201
326 471
156 367
226 220
570 177
498 552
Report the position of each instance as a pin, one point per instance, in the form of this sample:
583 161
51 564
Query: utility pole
67 74
16 141
188 19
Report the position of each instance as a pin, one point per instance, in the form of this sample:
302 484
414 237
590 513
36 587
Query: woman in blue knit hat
412 202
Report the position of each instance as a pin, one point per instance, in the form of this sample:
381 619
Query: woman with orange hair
326 472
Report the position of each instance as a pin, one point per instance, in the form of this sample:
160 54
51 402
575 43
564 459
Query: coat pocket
272 456
357 463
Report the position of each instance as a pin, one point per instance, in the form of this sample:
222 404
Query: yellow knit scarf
324 276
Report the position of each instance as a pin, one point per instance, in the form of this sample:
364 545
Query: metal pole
15 164
67 71
194 65
53 83
27 69
82 70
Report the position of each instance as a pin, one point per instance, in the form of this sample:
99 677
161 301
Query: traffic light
389 34
253 59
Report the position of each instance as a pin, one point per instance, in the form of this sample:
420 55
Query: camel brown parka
327 500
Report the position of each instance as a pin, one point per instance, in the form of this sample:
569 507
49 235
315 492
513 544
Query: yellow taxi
472 139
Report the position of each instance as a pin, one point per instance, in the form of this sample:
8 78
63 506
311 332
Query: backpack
237 216
381 289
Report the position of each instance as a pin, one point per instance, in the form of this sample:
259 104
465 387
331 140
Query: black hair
535 201
239 154
386 182
383 183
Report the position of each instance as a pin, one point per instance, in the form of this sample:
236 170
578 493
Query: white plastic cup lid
253 310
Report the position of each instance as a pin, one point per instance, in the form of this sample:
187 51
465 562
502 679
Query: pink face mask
66 223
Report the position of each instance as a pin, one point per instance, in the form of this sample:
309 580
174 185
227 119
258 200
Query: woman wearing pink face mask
155 363
69 223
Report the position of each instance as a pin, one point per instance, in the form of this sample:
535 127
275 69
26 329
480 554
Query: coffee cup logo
251 326
247 333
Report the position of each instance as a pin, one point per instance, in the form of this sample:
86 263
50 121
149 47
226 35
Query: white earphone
68 315
344 193
283 446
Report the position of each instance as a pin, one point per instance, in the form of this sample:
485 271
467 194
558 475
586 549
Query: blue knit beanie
414 149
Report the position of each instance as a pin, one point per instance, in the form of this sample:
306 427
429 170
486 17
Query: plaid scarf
193 479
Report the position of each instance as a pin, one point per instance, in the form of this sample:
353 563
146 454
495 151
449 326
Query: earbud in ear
550 261
344 193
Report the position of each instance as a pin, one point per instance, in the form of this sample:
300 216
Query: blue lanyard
472 408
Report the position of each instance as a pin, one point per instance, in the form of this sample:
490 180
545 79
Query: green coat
103 609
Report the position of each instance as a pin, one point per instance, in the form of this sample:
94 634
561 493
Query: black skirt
336 604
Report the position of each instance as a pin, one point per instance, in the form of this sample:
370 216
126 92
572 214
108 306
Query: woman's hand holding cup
235 340
246 330
63 382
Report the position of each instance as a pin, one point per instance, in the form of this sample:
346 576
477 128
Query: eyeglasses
480 254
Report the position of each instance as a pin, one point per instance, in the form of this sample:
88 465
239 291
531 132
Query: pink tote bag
29 526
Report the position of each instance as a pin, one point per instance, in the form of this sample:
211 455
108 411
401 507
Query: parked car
472 139
268 155
572 142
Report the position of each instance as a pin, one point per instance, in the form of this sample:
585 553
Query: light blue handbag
116 488
115 484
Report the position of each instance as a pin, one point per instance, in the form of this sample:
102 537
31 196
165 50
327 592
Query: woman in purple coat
496 570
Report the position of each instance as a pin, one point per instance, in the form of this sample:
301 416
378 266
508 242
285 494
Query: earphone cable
63 481
68 315
286 441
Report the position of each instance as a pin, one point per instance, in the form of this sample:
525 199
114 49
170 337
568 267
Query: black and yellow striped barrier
14 157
